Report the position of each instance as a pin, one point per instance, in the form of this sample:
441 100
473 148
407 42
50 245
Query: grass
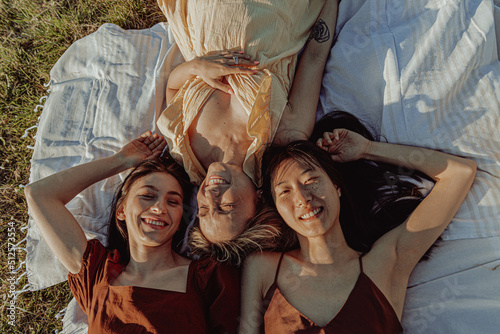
33 35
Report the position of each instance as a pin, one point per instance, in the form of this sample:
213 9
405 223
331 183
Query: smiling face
152 209
227 199
306 198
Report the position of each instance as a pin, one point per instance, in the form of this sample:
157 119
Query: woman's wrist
369 150
118 162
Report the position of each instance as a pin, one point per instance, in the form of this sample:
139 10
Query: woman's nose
302 197
212 192
158 208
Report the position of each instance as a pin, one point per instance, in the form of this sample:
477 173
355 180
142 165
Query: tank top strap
361 262
278 268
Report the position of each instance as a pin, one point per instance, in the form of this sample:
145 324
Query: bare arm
47 197
210 68
257 277
299 115
453 176
174 59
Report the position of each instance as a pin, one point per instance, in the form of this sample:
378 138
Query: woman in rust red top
325 286
140 284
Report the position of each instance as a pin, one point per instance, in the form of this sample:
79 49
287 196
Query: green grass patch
33 35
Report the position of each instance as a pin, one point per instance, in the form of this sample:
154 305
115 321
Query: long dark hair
118 234
375 197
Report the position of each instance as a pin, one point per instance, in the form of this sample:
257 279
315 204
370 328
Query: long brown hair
118 234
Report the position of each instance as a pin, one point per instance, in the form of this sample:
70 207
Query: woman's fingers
237 58
144 136
152 141
221 86
148 137
158 143
327 136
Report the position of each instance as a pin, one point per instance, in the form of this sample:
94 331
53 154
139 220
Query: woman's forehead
298 166
159 180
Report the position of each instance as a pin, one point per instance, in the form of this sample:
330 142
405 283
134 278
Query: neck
325 249
233 152
145 260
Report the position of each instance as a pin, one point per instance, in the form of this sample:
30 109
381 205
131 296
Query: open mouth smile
311 214
216 180
154 222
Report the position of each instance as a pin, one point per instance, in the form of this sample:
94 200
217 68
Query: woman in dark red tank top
324 285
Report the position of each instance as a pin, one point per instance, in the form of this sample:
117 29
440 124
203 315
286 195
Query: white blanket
105 91
426 73
420 72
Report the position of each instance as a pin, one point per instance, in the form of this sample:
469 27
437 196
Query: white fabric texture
422 72
457 291
426 73
105 90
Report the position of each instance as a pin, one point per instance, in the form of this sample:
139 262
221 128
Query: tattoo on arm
320 32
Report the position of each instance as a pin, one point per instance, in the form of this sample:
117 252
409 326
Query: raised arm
47 197
453 176
299 115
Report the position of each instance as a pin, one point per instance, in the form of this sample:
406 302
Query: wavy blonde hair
264 232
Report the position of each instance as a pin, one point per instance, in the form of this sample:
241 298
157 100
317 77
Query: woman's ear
120 213
259 194
339 191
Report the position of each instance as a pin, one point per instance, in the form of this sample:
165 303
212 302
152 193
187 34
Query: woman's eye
227 207
311 180
147 196
202 211
283 192
174 202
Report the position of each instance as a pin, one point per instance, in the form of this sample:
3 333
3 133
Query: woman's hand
146 146
344 145
213 68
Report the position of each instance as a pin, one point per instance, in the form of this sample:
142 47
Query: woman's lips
155 223
216 179
311 214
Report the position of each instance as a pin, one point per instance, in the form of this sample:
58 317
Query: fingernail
256 62
230 91
240 52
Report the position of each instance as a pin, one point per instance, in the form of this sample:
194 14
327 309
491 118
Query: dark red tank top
366 311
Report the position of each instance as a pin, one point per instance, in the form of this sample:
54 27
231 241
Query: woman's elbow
30 193
469 168
465 170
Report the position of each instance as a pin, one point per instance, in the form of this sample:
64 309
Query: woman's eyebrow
171 192
304 172
150 187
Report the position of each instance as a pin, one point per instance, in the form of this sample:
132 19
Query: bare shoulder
261 267
262 262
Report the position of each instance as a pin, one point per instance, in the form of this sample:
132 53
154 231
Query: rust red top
210 304
366 310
